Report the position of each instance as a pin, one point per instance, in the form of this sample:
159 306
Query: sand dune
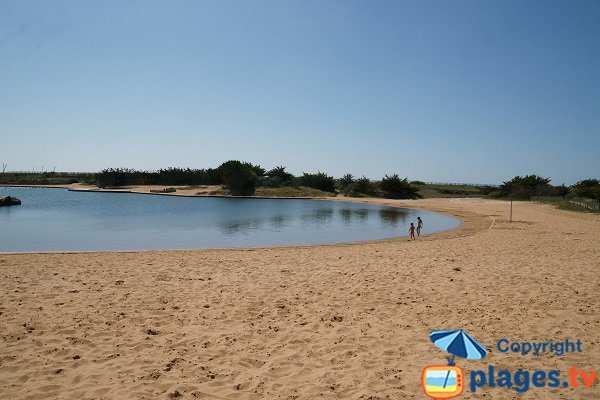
339 322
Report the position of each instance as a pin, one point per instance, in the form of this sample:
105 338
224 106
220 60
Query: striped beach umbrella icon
458 343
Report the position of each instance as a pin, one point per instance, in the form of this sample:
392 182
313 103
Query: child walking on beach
411 231
419 225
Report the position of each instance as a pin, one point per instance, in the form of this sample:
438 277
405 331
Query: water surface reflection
59 220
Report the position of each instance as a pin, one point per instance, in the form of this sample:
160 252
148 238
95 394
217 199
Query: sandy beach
337 322
144 189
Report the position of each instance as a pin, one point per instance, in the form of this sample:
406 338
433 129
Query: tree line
526 187
242 179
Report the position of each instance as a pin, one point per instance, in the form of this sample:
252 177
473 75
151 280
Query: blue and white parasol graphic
458 343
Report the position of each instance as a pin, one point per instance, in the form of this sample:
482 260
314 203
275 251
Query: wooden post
510 220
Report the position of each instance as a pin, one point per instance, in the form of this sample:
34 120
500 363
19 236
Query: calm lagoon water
59 220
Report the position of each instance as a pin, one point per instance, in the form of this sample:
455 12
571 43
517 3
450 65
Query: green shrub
239 178
365 186
168 176
487 190
257 169
563 190
180 176
320 181
241 182
285 178
526 186
588 188
268 181
345 181
119 177
395 188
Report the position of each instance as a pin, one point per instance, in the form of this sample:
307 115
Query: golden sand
339 322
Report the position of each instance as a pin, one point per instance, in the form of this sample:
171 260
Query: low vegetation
291 191
395 188
587 188
525 187
239 178
361 187
46 178
320 181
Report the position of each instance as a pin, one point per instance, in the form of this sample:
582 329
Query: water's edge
365 201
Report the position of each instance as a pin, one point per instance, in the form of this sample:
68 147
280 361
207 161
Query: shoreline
469 223
182 191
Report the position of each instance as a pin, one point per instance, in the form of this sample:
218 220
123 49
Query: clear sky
454 91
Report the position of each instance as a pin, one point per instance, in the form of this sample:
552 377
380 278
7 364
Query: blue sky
453 91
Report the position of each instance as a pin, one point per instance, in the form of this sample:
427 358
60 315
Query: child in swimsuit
411 231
